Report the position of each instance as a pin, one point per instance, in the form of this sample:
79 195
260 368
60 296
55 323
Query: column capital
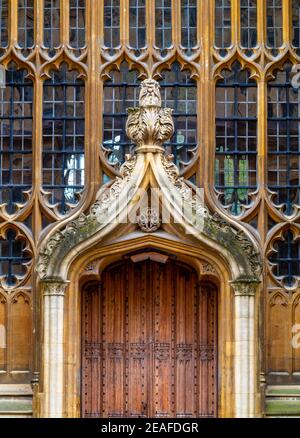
244 287
54 287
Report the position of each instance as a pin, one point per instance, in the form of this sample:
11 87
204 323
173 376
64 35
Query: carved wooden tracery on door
149 343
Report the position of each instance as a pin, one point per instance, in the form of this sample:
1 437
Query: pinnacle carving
149 126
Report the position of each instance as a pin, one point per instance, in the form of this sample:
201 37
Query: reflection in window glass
111 23
51 23
283 140
274 23
15 138
120 93
63 138
26 23
179 92
3 23
286 258
137 23
222 24
77 24
248 23
296 23
163 23
188 23
236 137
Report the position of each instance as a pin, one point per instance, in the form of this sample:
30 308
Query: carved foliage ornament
149 126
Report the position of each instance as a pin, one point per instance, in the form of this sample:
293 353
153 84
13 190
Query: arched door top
149 126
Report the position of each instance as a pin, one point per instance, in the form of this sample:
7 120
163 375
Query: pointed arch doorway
149 341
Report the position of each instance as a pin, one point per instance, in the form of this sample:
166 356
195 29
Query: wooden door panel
149 343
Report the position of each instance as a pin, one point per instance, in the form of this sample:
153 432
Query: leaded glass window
222 24
25 23
188 24
248 11
163 23
63 138
283 140
285 258
111 23
179 92
120 93
77 24
137 23
3 24
15 138
51 24
296 23
14 257
236 138
274 23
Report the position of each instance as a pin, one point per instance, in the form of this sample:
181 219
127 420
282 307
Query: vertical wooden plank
114 342
162 283
91 352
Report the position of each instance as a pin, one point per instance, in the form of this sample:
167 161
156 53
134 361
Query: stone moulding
149 126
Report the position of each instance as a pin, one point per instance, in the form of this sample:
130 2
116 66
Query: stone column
53 317
245 348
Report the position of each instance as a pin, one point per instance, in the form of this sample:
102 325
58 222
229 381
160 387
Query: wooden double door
149 343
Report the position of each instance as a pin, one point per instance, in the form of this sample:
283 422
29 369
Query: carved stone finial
149 126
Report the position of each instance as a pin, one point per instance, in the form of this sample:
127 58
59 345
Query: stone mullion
124 22
64 22
39 22
261 23
13 20
176 23
235 22
287 22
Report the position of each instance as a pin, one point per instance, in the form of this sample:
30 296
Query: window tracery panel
236 139
51 24
63 139
26 23
283 140
296 24
16 123
111 23
77 23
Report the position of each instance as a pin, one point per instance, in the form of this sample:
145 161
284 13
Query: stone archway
190 222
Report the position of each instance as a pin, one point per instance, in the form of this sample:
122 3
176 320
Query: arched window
15 138
137 23
77 24
26 23
188 24
248 12
111 23
120 92
222 24
179 92
236 137
3 24
51 24
63 138
283 140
